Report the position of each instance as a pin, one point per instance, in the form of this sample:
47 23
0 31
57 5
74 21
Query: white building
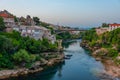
110 28
36 32
113 26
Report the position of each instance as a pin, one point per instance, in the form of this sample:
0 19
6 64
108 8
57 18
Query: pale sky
74 13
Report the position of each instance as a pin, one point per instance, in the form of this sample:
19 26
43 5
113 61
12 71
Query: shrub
22 56
112 53
5 62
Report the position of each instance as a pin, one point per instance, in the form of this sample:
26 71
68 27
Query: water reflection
60 71
66 44
47 74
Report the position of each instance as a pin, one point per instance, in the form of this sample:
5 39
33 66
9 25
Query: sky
74 13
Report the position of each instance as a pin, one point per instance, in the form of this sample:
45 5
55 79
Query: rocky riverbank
111 68
36 67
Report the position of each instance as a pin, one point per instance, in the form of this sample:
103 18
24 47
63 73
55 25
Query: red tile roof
114 25
5 15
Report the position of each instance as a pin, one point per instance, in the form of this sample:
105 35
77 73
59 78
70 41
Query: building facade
8 18
110 28
100 31
26 26
113 26
36 32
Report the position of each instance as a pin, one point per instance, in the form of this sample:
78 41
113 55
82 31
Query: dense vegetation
109 41
105 25
2 25
66 35
16 49
90 35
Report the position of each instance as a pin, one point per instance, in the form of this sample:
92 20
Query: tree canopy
2 24
108 40
36 20
17 49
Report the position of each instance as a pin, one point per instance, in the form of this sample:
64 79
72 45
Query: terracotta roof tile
114 25
5 15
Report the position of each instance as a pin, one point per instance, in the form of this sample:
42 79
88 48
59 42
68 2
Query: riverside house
111 27
8 20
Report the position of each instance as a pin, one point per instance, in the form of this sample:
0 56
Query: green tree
112 53
64 35
44 24
90 35
5 45
5 61
2 24
36 20
22 56
105 25
15 19
33 46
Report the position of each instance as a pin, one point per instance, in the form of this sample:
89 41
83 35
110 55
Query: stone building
100 31
8 20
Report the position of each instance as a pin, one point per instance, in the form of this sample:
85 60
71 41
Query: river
81 66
